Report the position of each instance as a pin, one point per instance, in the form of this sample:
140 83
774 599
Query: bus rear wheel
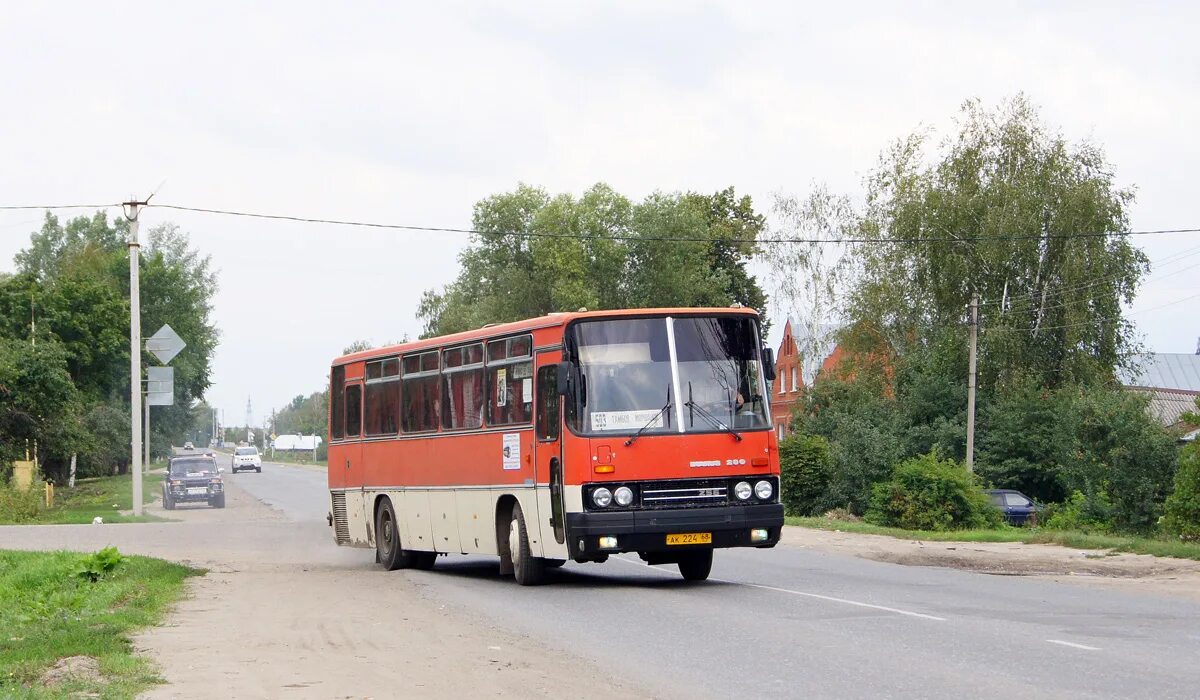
528 570
695 566
387 539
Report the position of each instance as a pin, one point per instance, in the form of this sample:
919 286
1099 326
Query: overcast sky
410 114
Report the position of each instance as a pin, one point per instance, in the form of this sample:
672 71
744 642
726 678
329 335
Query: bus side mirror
563 378
768 361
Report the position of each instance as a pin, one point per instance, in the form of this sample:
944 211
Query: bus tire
695 566
387 539
528 570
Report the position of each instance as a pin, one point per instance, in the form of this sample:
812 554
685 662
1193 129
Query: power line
1093 322
1013 299
57 206
679 239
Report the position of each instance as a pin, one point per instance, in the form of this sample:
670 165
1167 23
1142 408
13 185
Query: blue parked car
1018 508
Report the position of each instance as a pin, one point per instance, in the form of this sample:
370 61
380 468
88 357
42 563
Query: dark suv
192 478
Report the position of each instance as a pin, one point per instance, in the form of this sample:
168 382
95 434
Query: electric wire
678 239
624 237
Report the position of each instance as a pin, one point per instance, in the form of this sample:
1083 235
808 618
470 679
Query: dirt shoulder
283 612
1131 572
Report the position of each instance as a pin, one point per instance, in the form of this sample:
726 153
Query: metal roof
1167 406
1175 371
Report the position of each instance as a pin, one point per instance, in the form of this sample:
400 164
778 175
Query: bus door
351 466
548 467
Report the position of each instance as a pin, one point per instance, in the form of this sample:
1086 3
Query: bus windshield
669 375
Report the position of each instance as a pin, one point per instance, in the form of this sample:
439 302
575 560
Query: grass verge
1159 547
48 611
103 496
295 459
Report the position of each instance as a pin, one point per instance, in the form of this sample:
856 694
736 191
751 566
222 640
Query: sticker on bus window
626 420
501 387
527 390
512 451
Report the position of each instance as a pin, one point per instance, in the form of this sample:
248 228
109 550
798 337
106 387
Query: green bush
931 493
93 567
860 425
17 506
1183 505
1127 451
1091 513
804 463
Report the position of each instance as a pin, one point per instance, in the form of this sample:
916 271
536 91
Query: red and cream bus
567 437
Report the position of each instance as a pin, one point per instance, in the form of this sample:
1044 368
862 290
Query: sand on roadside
283 612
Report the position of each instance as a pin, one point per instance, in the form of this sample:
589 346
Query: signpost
160 387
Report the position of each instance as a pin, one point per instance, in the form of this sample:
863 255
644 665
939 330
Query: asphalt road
789 622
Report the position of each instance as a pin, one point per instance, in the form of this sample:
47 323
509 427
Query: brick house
793 371
785 393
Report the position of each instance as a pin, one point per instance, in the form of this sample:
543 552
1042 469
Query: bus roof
547 321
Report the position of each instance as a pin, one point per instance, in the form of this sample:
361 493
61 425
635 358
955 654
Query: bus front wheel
387 539
695 566
528 570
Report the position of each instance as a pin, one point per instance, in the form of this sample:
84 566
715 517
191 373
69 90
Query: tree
305 415
809 271
72 280
1183 505
540 254
357 346
38 402
83 242
177 287
1051 304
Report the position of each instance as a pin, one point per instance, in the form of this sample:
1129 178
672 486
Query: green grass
1159 547
48 611
101 496
302 459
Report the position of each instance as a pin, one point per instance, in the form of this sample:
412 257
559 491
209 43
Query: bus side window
353 410
548 402
337 413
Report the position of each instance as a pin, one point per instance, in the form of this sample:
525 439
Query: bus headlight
763 490
602 497
742 490
623 496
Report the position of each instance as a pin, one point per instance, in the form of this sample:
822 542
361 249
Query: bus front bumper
648 530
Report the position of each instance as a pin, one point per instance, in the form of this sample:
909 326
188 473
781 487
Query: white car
245 458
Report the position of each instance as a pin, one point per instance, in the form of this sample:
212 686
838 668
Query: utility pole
135 351
971 384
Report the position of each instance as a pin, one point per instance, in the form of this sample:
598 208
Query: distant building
295 443
797 362
1171 379
788 382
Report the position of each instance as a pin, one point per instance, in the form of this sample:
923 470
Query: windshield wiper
666 407
711 418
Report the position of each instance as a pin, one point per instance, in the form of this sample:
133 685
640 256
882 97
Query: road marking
1073 645
830 599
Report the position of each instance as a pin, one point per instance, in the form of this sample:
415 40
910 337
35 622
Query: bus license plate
690 538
